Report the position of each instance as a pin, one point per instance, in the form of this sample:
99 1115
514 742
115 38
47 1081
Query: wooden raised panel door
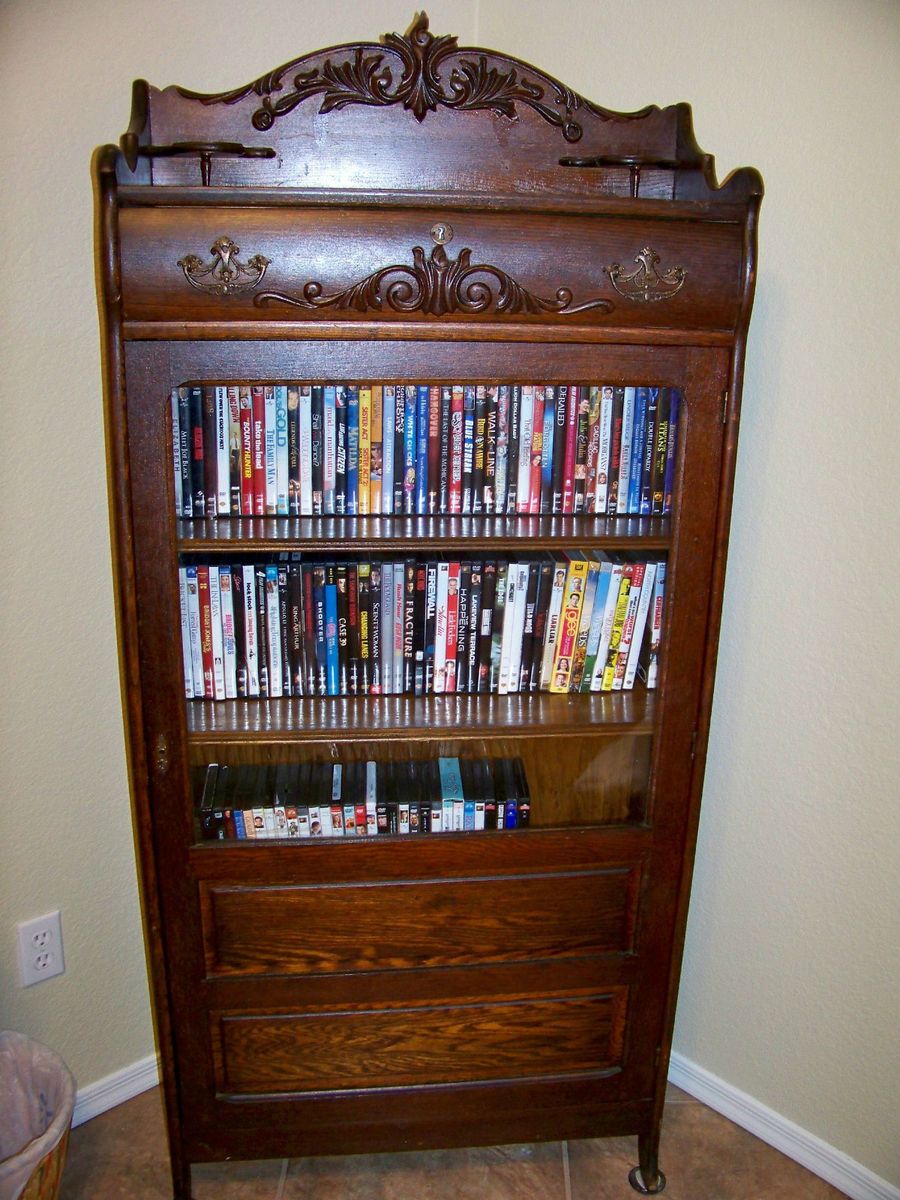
322 996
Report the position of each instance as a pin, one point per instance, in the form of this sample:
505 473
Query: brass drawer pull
645 285
226 274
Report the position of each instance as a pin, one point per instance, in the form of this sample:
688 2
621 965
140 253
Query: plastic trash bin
37 1096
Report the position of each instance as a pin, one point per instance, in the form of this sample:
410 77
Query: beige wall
790 988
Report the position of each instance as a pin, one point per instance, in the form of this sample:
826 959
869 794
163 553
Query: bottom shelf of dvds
493 784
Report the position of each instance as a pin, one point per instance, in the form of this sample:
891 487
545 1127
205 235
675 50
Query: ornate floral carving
225 275
409 70
645 285
436 285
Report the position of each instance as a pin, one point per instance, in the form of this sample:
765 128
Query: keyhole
442 232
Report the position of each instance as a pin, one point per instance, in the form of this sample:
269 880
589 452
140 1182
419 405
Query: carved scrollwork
436 285
415 70
226 274
646 285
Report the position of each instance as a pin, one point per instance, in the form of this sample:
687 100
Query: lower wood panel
428 1119
402 926
265 1053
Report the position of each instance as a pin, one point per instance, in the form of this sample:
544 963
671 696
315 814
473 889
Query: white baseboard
115 1089
832 1165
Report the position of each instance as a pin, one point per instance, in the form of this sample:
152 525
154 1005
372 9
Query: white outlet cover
40 949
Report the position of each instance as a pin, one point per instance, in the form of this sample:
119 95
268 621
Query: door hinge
693 745
725 407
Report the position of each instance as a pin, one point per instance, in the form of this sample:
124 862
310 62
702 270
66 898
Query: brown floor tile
494 1173
238 1180
120 1154
704 1157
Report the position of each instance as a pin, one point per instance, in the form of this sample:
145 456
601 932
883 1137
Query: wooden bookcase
415 210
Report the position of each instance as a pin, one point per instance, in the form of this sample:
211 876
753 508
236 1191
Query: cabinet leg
647 1178
181 1181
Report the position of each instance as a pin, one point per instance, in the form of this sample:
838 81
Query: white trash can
37 1097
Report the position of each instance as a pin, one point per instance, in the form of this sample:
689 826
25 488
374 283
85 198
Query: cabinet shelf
432 534
438 842
456 717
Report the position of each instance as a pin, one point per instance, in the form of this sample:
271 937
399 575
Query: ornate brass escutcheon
162 754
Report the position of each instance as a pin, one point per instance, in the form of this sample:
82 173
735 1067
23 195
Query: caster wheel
637 1182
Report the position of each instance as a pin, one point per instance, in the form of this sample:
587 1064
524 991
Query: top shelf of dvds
451 462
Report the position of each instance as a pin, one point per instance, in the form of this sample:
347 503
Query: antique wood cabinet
414 211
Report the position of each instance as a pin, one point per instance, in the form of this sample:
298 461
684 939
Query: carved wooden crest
421 73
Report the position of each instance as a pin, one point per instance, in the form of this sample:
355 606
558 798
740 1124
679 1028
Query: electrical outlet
40 949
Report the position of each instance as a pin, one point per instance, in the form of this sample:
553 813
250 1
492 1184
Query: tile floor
121 1155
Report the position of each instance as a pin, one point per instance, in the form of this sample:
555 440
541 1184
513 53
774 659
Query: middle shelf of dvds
309 626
